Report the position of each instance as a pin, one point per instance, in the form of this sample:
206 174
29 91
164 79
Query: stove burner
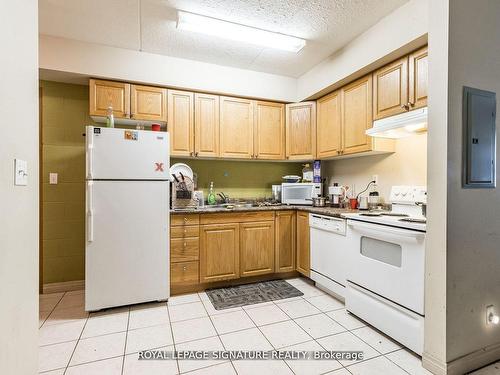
394 214
413 220
370 214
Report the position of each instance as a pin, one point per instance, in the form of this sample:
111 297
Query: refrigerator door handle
90 214
90 161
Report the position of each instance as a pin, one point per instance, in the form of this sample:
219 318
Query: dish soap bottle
211 199
110 119
307 173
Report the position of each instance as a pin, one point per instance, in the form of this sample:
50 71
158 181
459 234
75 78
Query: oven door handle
380 229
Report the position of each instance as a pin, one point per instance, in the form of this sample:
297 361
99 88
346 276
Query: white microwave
300 193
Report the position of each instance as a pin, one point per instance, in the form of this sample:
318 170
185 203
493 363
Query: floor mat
249 294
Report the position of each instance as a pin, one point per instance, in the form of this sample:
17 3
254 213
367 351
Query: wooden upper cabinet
219 252
104 94
206 121
390 89
236 128
418 78
329 125
269 134
303 244
285 229
180 122
301 130
148 103
256 248
357 115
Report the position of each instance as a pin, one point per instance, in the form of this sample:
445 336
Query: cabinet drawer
237 217
184 249
184 273
184 219
185 231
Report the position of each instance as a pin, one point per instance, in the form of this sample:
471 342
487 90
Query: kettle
362 203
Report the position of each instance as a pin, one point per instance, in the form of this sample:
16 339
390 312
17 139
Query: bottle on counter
307 173
110 118
211 198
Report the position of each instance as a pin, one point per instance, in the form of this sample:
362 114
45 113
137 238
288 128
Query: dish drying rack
183 196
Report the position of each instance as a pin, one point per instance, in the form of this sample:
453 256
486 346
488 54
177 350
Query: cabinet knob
185 244
185 230
196 153
406 107
184 268
191 153
185 219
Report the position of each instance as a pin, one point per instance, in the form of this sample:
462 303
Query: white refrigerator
127 217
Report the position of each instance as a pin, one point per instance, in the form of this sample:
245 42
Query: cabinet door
357 116
390 89
206 122
148 103
236 128
180 122
219 252
269 130
301 131
303 244
256 248
104 94
285 241
328 140
418 68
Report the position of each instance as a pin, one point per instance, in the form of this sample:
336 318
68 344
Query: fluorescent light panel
234 31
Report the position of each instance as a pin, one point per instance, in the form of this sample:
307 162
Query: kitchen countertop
328 211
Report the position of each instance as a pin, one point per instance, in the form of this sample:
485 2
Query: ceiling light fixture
234 31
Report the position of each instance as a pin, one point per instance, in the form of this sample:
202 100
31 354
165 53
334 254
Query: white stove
385 286
405 211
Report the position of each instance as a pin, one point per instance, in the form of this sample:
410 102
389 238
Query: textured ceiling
150 25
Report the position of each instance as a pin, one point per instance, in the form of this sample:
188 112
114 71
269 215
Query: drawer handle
185 219
184 268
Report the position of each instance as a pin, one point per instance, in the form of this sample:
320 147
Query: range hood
399 126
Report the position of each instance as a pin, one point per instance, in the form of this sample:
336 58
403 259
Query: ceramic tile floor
74 342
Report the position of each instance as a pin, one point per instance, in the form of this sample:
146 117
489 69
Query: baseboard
433 364
65 286
475 360
462 365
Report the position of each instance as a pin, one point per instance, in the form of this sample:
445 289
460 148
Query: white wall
435 253
96 60
19 205
399 32
407 166
473 268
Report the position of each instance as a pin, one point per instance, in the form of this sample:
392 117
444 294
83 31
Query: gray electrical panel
479 138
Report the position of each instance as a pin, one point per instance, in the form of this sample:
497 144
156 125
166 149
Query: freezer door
126 154
127 243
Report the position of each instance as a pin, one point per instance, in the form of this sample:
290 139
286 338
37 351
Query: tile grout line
172 335
51 311
272 346
126 337
77 342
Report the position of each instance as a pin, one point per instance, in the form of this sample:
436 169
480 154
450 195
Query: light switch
21 172
53 178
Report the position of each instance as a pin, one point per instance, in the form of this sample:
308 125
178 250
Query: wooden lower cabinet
184 273
285 229
219 252
303 244
256 248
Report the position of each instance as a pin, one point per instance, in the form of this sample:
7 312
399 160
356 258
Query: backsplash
240 179
406 166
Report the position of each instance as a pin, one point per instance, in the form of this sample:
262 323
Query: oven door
388 261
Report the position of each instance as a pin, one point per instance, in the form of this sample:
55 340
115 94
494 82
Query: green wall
64 117
240 179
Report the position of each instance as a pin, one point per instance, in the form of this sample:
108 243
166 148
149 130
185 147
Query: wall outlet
375 178
53 178
21 172
492 316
